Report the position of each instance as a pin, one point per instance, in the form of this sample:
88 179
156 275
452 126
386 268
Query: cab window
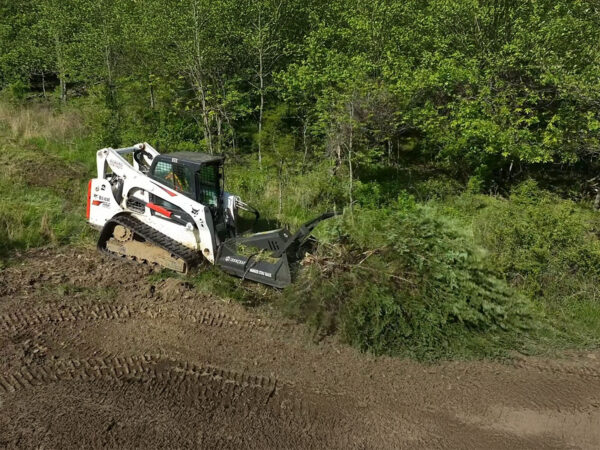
207 179
176 176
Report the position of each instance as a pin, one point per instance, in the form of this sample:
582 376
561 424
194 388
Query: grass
46 164
40 120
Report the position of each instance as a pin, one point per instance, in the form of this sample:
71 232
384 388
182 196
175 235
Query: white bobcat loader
172 210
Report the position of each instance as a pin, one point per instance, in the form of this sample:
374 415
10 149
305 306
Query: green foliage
406 282
438 188
17 91
304 194
465 83
549 249
539 240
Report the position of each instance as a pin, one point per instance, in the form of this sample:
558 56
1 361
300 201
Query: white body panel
103 205
198 234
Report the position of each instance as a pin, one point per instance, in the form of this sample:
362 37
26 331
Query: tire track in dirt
15 321
556 368
115 369
162 375
537 384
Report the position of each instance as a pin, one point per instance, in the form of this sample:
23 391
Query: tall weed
39 121
46 160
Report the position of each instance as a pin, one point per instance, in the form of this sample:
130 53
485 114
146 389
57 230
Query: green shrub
407 282
17 91
549 249
542 243
438 188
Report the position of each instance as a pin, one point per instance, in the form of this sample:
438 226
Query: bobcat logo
195 212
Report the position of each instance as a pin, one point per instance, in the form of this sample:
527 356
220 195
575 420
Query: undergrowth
548 248
402 281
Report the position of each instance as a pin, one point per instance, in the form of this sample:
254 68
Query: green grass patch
43 184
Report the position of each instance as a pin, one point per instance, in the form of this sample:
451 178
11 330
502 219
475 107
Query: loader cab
198 176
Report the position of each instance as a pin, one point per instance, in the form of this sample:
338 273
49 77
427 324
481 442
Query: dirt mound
171 289
96 352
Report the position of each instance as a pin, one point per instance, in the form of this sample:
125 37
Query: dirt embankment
94 353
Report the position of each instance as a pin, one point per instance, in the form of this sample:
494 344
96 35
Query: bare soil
93 353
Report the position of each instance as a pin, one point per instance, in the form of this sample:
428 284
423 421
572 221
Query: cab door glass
183 179
176 176
207 179
162 173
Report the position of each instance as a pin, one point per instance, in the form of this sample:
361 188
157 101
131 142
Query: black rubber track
151 235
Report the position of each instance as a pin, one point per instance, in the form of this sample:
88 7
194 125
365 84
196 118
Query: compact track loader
172 210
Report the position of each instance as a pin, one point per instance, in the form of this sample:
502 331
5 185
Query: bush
16 92
439 188
407 282
541 242
549 249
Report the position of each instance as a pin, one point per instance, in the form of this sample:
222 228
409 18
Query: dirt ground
95 353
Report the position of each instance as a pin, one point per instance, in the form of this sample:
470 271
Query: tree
59 26
264 41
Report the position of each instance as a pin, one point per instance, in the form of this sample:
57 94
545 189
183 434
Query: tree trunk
262 105
350 168
152 98
280 187
207 132
304 140
61 71
44 85
63 89
261 85
197 75
219 133
338 157
233 143
112 90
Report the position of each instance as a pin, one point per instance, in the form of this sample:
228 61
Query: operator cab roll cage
198 176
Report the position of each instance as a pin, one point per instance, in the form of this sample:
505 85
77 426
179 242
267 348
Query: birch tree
265 45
